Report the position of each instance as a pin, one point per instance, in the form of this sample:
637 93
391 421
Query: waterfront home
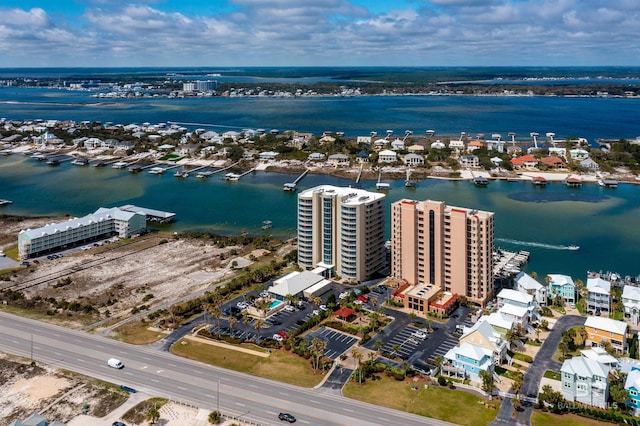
589 164
525 283
363 156
553 162
380 143
92 143
316 156
469 161
397 144
457 145
387 156
632 386
414 149
524 162
467 361
267 156
508 296
562 286
598 294
560 152
585 381
413 160
631 303
578 154
474 144
496 161
438 145
339 160
601 331
519 314
363 139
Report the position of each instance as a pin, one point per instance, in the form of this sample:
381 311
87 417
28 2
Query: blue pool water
275 304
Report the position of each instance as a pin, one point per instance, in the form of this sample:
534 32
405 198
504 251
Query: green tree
153 415
487 381
317 351
215 417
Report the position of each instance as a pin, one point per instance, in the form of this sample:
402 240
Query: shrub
442 381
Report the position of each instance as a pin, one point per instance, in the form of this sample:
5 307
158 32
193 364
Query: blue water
275 304
603 222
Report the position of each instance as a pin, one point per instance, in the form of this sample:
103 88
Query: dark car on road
287 417
118 424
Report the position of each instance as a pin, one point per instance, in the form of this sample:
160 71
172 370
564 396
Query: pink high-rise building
450 247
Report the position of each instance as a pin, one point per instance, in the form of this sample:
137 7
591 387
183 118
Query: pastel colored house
631 303
467 361
602 330
598 294
586 381
484 335
563 286
632 386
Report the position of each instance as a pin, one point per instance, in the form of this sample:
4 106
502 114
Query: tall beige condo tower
451 247
341 230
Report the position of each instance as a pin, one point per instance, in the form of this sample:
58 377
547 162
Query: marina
152 214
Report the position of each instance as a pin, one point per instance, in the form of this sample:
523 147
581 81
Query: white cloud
281 32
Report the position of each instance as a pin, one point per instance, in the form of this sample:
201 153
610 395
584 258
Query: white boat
80 162
181 173
232 177
266 224
573 247
204 175
120 165
157 170
382 186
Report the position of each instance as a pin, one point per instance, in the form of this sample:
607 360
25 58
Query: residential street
532 377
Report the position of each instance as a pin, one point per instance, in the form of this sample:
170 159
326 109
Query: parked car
315 312
420 335
242 305
363 298
323 307
118 424
277 338
289 308
343 295
287 417
283 334
358 302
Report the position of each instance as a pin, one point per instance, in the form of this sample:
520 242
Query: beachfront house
469 161
563 288
438 145
496 161
588 163
268 156
338 160
483 334
413 160
457 145
525 283
363 139
632 386
579 154
524 162
387 156
500 322
553 162
415 149
316 156
474 144
585 381
363 156
602 331
631 303
598 294
397 144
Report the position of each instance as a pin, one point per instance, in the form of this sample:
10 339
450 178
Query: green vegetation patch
547 419
171 157
281 366
139 413
456 406
554 375
137 333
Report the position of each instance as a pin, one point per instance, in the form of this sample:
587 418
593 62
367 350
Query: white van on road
115 363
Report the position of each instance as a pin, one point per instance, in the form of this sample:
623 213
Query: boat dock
291 186
507 263
152 215
382 186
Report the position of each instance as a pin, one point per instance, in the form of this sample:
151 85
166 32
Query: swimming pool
275 304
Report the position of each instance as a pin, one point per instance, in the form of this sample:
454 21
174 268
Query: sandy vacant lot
115 278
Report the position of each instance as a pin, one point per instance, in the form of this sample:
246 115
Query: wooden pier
292 186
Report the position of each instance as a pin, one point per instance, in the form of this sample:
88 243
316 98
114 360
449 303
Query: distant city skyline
117 33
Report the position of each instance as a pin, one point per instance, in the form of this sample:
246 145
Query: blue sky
117 33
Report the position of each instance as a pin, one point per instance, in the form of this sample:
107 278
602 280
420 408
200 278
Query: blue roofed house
563 286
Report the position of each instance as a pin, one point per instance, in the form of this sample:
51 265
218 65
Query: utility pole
32 348
218 397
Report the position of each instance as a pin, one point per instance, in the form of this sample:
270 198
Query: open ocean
605 223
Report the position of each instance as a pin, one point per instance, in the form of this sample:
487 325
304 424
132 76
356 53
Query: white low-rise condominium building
103 223
342 231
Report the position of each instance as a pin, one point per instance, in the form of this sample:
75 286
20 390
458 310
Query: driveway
532 377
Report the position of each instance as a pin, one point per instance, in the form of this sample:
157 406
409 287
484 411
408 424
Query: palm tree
258 325
246 319
405 367
153 415
396 349
378 344
232 323
317 350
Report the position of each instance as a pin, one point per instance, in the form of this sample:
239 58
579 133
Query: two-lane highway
205 386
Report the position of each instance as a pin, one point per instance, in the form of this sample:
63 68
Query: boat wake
535 244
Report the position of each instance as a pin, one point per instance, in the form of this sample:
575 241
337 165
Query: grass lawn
12 253
456 406
617 315
523 357
539 418
137 333
281 366
549 374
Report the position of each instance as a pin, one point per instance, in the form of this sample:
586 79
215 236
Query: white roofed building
525 283
598 294
586 381
387 156
103 223
294 283
631 303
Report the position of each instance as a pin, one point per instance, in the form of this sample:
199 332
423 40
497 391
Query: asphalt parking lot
337 343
